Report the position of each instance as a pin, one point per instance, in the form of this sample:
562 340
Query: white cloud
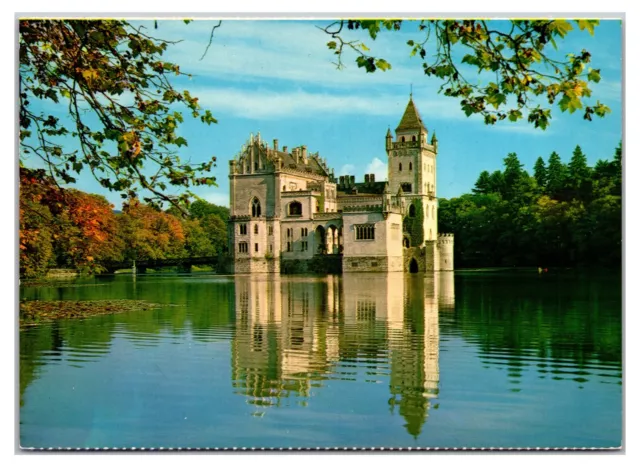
378 168
265 104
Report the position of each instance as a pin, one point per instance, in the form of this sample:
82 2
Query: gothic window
284 187
413 138
243 229
271 248
256 210
256 247
365 232
304 232
406 187
412 211
288 246
255 229
289 232
410 166
400 167
403 139
242 247
255 166
270 230
295 209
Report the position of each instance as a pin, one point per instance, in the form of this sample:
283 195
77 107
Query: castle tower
412 168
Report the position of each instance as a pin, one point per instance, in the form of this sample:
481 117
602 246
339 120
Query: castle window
406 187
284 187
255 166
256 210
270 230
256 247
243 229
413 138
288 246
400 167
255 229
271 248
410 166
243 247
412 211
289 232
304 246
304 232
403 139
295 209
427 212
365 232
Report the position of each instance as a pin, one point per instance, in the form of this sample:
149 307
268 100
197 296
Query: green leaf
383 64
180 141
588 24
332 45
594 75
515 115
561 27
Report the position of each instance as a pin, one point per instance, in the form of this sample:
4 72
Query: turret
389 139
434 142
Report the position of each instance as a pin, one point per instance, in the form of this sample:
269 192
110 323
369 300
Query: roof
411 119
375 188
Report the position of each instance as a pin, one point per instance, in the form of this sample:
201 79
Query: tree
556 175
513 56
483 184
119 107
149 233
579 174
513 173
540 172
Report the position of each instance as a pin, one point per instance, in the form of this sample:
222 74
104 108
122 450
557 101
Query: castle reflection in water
292 336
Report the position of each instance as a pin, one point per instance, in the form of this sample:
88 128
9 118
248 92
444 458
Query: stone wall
319 264
371 264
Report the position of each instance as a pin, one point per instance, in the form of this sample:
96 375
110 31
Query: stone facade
288 210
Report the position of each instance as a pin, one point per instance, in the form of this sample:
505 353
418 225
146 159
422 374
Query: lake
471 359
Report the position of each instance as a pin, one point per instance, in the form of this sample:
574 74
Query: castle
289 213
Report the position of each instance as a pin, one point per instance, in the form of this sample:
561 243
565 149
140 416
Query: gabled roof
411 119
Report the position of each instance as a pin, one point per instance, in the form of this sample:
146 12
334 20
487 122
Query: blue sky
277 78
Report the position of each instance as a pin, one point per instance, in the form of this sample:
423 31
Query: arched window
400 167
255 166
410 166
403 139
295 209
255 229
256 210
412 211
413 138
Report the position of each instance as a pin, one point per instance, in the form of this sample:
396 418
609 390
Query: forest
567 214
67 228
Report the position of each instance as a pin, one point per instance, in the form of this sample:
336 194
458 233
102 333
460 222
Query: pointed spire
433 138
389 132
411 119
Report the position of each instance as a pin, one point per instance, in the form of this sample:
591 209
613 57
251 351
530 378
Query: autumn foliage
68 228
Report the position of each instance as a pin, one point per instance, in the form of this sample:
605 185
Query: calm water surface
442 360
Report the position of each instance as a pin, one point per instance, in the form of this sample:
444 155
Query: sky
278 78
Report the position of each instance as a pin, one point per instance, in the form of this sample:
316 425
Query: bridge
183 264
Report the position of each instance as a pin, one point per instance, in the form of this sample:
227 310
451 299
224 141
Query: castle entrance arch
319 241
413 266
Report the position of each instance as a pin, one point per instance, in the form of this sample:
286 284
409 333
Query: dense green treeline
565 214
